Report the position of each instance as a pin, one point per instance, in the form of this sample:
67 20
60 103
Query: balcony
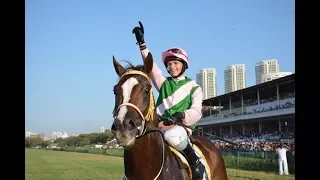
287 106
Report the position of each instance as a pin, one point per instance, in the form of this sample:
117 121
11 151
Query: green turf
61 165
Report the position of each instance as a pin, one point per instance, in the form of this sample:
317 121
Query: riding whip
183 125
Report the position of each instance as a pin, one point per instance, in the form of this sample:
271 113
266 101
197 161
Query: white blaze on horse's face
126 89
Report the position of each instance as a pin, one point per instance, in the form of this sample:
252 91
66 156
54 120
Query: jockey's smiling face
174 67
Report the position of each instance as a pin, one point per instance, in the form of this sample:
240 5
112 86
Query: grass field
60 165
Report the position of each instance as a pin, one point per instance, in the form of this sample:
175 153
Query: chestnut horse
146 154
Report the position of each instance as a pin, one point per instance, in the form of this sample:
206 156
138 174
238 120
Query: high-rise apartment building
272 76
58 135
234 78
264 67
207 79
28 134
54 135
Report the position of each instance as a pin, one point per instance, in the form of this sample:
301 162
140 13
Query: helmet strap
184 67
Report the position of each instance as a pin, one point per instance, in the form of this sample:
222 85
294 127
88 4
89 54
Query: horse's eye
147 91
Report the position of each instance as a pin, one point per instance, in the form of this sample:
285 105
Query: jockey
179 97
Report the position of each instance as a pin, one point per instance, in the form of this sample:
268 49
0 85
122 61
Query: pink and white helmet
175 53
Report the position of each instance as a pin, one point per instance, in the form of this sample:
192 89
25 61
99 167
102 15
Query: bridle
150 113
148 117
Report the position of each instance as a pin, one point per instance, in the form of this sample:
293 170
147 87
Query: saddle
182 158
184 164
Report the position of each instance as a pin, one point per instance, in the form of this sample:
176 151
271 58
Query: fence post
266 155
238 159
264 159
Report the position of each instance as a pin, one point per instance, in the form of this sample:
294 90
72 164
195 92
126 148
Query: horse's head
134 102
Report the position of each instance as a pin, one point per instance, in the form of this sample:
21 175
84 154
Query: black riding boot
196 166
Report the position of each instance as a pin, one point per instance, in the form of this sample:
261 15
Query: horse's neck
150 144
146 152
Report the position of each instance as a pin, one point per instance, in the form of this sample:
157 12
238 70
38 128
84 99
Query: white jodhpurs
177 137
283 166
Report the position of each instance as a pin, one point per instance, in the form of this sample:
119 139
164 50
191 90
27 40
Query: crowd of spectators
257 141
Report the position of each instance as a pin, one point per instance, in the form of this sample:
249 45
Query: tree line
81 140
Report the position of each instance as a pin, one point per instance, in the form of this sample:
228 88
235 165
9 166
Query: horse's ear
148 63
119 69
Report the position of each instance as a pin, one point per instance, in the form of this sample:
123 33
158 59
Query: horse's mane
132 67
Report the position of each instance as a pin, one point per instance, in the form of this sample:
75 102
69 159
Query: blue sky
69 48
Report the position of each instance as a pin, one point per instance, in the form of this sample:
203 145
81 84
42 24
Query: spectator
282 159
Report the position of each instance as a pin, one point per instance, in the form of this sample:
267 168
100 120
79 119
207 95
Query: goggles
176 51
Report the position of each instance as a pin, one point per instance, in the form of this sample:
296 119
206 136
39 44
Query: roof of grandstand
266 89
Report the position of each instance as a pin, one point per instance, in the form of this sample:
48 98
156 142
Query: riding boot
196 166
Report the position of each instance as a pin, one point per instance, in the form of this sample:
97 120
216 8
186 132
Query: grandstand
265 111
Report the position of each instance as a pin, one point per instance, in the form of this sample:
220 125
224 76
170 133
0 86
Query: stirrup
201 173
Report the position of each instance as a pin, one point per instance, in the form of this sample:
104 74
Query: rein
163 149
171 119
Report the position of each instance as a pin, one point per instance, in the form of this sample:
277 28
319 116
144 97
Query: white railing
286 106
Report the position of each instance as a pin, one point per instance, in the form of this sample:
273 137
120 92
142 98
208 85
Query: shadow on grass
243 177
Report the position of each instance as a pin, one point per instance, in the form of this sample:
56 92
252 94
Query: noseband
150 114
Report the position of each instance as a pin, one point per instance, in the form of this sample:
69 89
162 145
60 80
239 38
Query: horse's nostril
117 125
129 124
